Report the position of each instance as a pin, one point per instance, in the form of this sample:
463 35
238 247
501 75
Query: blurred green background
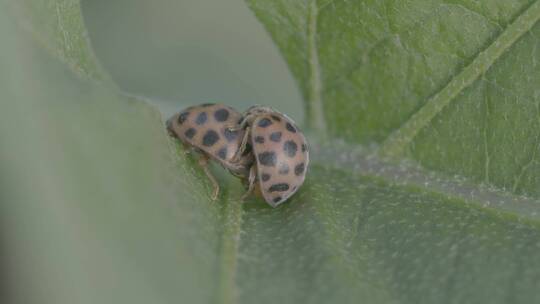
191 51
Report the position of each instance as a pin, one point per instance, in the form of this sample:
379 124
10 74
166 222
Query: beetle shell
212 129
282 156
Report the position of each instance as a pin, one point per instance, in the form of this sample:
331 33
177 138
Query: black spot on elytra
229 134
290 147
275 137
267 158
247 150
210 138
222 153
276 199
279 187
183 117
304 147
290 127
259 139
283 168
299 169
221 115
276 118
201 118
265 122
190 133
265 177
207 105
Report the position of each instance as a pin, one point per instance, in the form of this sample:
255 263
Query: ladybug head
258 109
252 112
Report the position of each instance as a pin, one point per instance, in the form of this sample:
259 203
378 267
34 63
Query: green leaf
58 26
99 206
93 208
450 84
363 239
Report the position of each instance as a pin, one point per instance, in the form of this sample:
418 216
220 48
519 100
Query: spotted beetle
280 150
212 130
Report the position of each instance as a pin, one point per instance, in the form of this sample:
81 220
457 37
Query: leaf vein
232 224
477 13
358 160
526 166
314 105
375 46
397 142
485 135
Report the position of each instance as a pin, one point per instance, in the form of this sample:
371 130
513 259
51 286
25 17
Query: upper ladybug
280 150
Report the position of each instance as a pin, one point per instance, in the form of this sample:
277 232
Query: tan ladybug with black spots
212 130
280 150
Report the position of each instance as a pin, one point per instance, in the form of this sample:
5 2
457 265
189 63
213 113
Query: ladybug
280 151
212 130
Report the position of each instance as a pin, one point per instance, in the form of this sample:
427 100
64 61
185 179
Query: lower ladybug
280 150
212 130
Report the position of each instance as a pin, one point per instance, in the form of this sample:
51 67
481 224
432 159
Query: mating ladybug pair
263 147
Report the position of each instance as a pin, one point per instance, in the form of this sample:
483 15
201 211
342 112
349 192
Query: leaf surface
99 206
93 208
450 84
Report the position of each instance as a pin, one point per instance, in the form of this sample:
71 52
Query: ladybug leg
243 123
242 147
187 149
251 182
203 162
